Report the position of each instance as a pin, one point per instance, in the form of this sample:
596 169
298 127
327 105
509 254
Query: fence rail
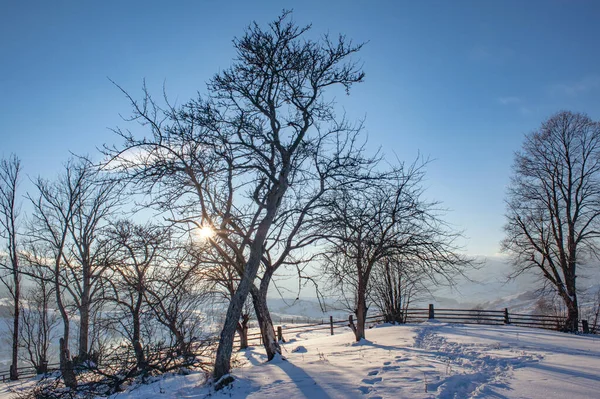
461 316
27 371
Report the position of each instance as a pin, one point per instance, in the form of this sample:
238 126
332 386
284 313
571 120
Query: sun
205 232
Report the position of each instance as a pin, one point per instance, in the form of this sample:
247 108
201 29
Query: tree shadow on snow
254 358
520 341
305 383
566 372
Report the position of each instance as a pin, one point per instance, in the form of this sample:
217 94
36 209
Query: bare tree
396 284
551 306
593 314
38 324
382 220
85 260
553 204
239 152
175 299
137 250
10 173
48 231
69 216
175 296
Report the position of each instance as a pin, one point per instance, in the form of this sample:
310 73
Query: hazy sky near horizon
459 82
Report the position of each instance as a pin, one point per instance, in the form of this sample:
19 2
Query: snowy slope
429 360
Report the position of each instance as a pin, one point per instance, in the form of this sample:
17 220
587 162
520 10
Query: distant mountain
312 308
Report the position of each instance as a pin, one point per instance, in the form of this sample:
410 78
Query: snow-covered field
429 360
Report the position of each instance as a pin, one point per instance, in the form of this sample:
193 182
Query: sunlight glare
205 232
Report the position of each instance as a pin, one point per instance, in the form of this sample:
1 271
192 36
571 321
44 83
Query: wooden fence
461 316
494 317
415 315
26 372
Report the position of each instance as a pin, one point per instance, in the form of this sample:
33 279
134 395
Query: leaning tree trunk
234 311
263 316
236 305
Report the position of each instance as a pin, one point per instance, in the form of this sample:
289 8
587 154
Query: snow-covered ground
429 360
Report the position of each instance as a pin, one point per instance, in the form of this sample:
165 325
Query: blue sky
459 82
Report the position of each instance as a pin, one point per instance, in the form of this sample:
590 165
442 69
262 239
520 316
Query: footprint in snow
374 372
410 379
364 390
371 381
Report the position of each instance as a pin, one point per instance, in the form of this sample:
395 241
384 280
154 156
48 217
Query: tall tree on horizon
553 205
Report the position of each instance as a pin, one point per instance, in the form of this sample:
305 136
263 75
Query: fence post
331 324
279 334
506 319
431 312
585 326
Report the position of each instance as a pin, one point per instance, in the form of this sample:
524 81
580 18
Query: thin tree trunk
142 364
137 345
242 330
182 348
66 365
65 318
84 325
43 357
84 310
263 316
14 371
